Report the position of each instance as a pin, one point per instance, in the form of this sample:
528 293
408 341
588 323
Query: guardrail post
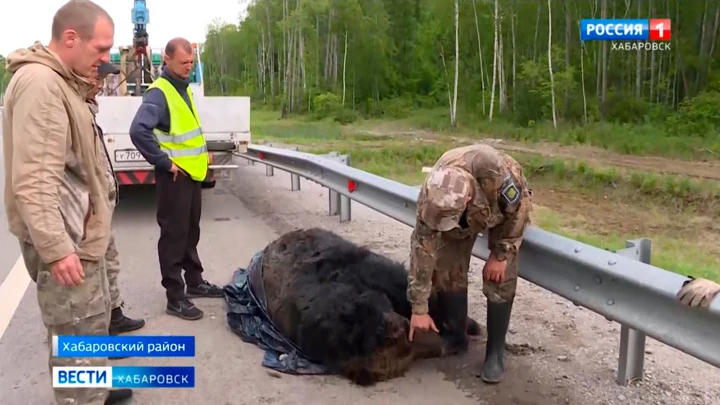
333 202
269 170
632 342
294 178
333 196
345 207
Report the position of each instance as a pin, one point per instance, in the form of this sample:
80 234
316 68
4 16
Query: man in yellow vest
166 130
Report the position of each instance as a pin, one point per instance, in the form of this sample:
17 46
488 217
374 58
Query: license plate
128 155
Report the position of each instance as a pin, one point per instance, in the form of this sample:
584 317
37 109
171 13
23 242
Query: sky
27 21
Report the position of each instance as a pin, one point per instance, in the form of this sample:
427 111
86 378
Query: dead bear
344 306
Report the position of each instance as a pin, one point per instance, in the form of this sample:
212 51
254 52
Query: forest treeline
517 59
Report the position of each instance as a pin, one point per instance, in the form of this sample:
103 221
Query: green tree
4 78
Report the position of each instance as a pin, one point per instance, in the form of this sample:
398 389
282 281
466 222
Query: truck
225 120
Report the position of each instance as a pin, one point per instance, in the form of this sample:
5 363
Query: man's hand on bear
422 322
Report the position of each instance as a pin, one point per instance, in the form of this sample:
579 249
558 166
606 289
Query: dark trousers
179 205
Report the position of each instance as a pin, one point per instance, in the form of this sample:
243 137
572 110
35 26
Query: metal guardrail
622 286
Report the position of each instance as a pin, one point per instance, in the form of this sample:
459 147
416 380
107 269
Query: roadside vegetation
402 156
600 205
617 144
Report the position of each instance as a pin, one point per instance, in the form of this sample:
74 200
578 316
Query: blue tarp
248 318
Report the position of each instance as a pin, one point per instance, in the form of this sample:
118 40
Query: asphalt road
9 249
228 371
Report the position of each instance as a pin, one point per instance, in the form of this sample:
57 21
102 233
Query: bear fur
344 306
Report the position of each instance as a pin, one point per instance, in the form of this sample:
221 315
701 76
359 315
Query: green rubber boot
498 320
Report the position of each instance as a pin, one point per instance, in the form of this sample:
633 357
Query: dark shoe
119 323
498 320
453 330
184 309
473 328
205 290
118 396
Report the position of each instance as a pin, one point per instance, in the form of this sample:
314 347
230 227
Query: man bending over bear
470 189
316 296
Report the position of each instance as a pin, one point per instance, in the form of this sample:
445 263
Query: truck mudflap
135 177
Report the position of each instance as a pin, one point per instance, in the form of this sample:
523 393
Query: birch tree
495 59
344 68
552 80
514 52
453 108
480 55
582 82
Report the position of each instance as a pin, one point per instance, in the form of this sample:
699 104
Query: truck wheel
209 184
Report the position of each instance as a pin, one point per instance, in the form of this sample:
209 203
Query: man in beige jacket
56 194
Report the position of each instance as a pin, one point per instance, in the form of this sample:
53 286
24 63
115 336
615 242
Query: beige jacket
55 189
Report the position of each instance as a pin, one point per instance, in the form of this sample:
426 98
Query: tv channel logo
124 377
657 29
82 377
660 29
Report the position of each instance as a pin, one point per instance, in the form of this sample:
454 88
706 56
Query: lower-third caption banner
124 377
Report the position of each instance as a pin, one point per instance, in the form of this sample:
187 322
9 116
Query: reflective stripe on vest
161 137
174 153
184 144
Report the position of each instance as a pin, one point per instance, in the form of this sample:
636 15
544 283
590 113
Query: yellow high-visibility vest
185 143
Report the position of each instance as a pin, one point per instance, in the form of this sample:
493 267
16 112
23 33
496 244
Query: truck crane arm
140 19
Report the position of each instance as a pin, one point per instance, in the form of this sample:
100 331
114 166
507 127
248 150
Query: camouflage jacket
113 192
491 207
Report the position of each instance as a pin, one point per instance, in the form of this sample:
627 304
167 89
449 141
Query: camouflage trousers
112 263
454 252
72 310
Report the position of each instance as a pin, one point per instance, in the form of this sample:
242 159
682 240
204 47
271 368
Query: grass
402 157
679 256
679 193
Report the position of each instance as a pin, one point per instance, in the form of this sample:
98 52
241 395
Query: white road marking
11 293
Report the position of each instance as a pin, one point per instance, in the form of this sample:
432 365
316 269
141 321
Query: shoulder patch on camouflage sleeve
509 191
